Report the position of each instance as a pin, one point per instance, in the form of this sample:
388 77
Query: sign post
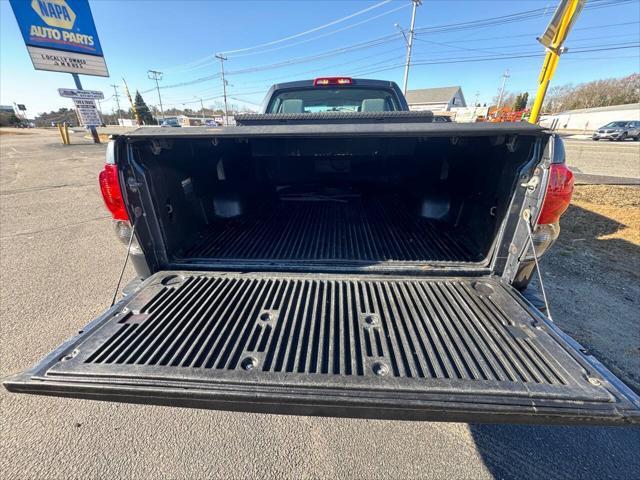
61 36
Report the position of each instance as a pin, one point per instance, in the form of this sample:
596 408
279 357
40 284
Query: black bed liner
363 230
377 347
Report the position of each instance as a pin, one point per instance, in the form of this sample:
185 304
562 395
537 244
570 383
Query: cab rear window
323 99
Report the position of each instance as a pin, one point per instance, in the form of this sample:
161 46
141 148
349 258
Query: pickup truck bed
459 349
356 265
305 229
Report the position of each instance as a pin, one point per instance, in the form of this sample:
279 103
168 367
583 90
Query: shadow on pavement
532 452
593 289
593 284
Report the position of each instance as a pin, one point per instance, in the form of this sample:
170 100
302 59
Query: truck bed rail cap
342 129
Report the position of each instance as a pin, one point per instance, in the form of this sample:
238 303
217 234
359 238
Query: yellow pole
66 133
64 140
133 105
551 60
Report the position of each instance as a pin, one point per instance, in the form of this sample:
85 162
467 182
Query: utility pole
224 87
155 75
505 75
475 102
115 94
409 42
201 105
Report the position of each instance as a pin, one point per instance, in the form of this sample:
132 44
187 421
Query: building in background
438 100
470 114
588 119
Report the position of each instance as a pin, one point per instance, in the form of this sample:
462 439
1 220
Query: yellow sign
557 31
55 13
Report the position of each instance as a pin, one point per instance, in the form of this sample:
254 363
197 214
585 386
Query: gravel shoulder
592 274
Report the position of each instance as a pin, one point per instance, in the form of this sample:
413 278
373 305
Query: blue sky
179 37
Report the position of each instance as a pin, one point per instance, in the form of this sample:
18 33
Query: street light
401 30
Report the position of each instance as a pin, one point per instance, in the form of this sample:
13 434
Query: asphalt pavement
603 162
59 262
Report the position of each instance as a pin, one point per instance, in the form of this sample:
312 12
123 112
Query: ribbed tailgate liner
354 230
448 349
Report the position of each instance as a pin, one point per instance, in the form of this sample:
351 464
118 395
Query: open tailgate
446 349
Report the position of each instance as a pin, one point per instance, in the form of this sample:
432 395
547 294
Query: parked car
170 122
620 131
337 255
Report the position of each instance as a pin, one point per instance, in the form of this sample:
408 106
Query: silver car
618 131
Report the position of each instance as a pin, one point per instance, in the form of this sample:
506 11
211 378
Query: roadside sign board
74 93
87 112
549 35
59 61
60 36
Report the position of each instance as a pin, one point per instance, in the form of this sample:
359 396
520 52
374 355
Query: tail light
559 191
111 192
332 81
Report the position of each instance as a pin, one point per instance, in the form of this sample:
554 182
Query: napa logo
55 13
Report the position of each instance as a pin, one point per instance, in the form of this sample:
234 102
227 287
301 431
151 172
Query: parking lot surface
59 263
608 162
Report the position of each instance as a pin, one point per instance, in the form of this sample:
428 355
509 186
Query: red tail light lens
332 81
111 192
559 191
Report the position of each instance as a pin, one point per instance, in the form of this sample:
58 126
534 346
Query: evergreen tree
516 102
520 102
8 119
143 110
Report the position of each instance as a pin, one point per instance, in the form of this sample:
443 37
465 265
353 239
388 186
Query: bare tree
599 93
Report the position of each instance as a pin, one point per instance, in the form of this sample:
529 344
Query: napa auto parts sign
60 36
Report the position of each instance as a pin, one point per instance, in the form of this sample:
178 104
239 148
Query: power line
509 18
267 81
316 70
245 101
209 59
309 58
512 17
297 35
186 83
502 57
533 33
498 53
333 32
520 16
488 49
